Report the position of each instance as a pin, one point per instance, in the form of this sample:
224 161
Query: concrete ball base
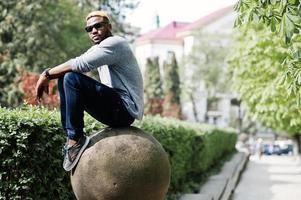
122 164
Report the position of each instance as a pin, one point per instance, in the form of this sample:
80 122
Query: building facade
179 37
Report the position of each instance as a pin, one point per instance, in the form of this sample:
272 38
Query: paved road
270 178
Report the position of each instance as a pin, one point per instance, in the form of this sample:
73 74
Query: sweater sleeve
98 55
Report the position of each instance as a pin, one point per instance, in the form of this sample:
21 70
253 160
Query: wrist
46 74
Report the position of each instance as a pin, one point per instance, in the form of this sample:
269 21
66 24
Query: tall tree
205 65
284 17
281 16
28 29
171 86
153 87
10 93
256 71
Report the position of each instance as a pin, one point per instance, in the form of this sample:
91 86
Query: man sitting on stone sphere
116 100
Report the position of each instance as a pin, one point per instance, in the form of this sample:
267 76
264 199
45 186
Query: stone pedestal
122 164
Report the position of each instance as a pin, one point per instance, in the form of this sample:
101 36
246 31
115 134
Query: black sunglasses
96 25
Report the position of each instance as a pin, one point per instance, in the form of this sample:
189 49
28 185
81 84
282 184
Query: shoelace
68 152
65 151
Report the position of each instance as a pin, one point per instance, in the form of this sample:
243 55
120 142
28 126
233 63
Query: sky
172 10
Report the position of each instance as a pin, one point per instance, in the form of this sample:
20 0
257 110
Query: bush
193 149
31 162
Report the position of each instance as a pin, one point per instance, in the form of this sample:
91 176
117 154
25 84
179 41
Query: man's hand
41 86
53 73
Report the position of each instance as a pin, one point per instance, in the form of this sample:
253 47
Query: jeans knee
70 78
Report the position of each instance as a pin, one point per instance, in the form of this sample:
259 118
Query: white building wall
224 25
159 49
142 52
200 97
224 106
188 44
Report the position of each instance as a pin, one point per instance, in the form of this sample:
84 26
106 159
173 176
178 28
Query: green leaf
287 27
238 22
273 24
294 18
293 2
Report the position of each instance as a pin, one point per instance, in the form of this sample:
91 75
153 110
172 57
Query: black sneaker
73 153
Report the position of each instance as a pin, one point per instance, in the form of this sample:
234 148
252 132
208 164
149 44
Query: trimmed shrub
31 139
31 163
193 148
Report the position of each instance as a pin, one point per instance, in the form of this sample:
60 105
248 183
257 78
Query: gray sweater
117 68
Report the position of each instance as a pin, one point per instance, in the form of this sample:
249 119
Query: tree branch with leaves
282 17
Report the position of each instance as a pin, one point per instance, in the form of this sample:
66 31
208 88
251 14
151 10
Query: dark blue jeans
79 93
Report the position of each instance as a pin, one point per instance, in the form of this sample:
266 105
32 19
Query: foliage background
171 88
203 71
265 64
153 91
283 18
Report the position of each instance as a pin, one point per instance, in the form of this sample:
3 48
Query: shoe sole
69 168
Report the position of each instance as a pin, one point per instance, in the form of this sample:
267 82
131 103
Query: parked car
268 149
287 149
278 148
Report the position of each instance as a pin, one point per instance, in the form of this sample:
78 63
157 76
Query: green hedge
31 162
193 149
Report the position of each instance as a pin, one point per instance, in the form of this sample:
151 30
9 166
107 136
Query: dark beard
109 34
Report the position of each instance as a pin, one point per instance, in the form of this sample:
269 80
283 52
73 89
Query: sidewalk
221 186
270 178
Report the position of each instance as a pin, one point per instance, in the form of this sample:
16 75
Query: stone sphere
122 164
